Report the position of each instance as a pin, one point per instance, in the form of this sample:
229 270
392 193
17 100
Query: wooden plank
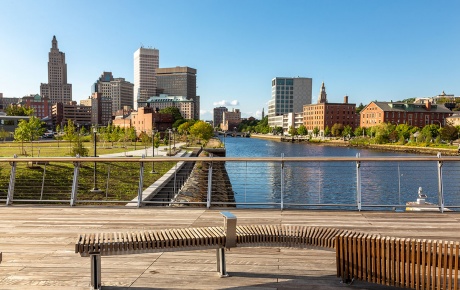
457 257
418 253
423 251
408 260
439 267
451 265
392 262
398 262
428 263
369 263
337 256
445 264
412 267
383 260
360 256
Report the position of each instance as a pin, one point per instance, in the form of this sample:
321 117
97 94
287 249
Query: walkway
38 248
160 151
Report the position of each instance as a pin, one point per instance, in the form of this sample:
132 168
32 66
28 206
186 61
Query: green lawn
118 180
61 148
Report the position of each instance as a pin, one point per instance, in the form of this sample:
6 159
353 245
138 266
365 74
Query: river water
384 185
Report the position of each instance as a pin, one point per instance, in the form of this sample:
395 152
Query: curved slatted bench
373 258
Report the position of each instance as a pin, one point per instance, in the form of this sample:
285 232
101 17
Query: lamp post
169 142
174 138
153 150
95 189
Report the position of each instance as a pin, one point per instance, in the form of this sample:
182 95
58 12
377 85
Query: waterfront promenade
38 248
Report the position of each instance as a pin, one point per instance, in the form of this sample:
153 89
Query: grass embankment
118 181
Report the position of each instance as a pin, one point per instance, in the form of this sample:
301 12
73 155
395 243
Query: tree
29 131
15 110
404 131
316 131
292 131
327 131
3 134
302 130
262 127
430 131
358 131
175 113
359 108
347 131
449 133
202 131
156 141
278 130
69 133
337 129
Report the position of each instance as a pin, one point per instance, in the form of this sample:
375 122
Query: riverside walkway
38 248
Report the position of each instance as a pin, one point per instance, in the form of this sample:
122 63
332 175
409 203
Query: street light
169 142
95 189
153 150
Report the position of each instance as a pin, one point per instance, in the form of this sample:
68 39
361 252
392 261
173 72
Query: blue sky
366 49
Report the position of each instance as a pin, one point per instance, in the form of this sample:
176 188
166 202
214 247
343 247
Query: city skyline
368 50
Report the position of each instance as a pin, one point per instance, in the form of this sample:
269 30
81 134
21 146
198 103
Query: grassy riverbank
444 149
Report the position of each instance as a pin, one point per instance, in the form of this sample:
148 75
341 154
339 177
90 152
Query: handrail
224 159
314 173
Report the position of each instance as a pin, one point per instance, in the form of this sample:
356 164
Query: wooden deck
38 248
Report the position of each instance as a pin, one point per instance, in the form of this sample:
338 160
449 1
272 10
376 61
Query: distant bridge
233 134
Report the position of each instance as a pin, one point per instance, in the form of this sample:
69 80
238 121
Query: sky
385 50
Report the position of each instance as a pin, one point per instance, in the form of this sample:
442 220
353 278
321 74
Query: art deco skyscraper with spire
57 89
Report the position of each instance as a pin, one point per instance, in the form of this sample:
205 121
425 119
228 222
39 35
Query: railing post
282 182
76 172
440 188
10 197
358 182
43 181
208 199
141 183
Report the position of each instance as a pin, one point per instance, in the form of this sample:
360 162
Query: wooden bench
399 262
372 258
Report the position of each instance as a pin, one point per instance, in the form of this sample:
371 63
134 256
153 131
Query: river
332 185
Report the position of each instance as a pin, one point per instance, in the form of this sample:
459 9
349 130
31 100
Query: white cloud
227 103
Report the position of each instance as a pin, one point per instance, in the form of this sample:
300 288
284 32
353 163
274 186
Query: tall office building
57 89
118 90
179 81
218 116
146 62
289 95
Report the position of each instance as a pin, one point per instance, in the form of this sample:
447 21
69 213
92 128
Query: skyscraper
118 90
289 95
146 62
179 81
218 116
57 89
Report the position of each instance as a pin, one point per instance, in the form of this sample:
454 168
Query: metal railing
267 182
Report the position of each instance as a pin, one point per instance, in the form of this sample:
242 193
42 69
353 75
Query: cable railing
354 183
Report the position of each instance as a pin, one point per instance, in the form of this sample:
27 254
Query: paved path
38 248
160 151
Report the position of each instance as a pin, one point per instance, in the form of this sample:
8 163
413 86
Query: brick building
419 115
40 105
62 112
325 114
146 119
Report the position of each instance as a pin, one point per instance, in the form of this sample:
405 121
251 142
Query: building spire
322 98
54 43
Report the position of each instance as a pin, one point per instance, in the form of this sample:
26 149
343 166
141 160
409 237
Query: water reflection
314 183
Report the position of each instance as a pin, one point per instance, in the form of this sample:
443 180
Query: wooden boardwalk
38 248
